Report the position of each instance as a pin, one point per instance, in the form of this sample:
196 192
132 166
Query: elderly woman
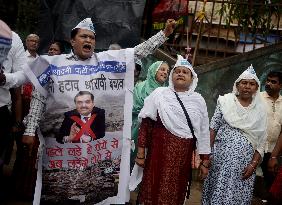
166 134
238 135
156 77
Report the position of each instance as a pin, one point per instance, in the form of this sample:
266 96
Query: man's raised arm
150 45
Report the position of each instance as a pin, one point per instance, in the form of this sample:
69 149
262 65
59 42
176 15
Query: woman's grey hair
115 46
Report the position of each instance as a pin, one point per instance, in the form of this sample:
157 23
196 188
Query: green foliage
252 15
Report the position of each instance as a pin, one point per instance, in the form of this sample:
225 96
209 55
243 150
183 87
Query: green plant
251 15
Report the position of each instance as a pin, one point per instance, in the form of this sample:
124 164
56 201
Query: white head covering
184 63
252 119
248 74
86 24
5 40
163 102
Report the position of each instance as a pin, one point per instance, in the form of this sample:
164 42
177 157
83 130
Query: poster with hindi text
85 131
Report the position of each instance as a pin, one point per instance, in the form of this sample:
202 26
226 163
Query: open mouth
87 47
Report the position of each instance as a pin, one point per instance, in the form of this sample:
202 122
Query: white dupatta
164 103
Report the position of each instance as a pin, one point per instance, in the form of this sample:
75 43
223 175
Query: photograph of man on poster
83 124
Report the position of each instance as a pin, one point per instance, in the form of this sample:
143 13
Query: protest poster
86 161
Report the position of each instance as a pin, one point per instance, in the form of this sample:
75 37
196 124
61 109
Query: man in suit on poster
83 124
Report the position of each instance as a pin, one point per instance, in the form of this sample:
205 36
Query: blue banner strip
103 66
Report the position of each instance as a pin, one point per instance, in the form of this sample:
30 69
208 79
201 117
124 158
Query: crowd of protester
170 121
